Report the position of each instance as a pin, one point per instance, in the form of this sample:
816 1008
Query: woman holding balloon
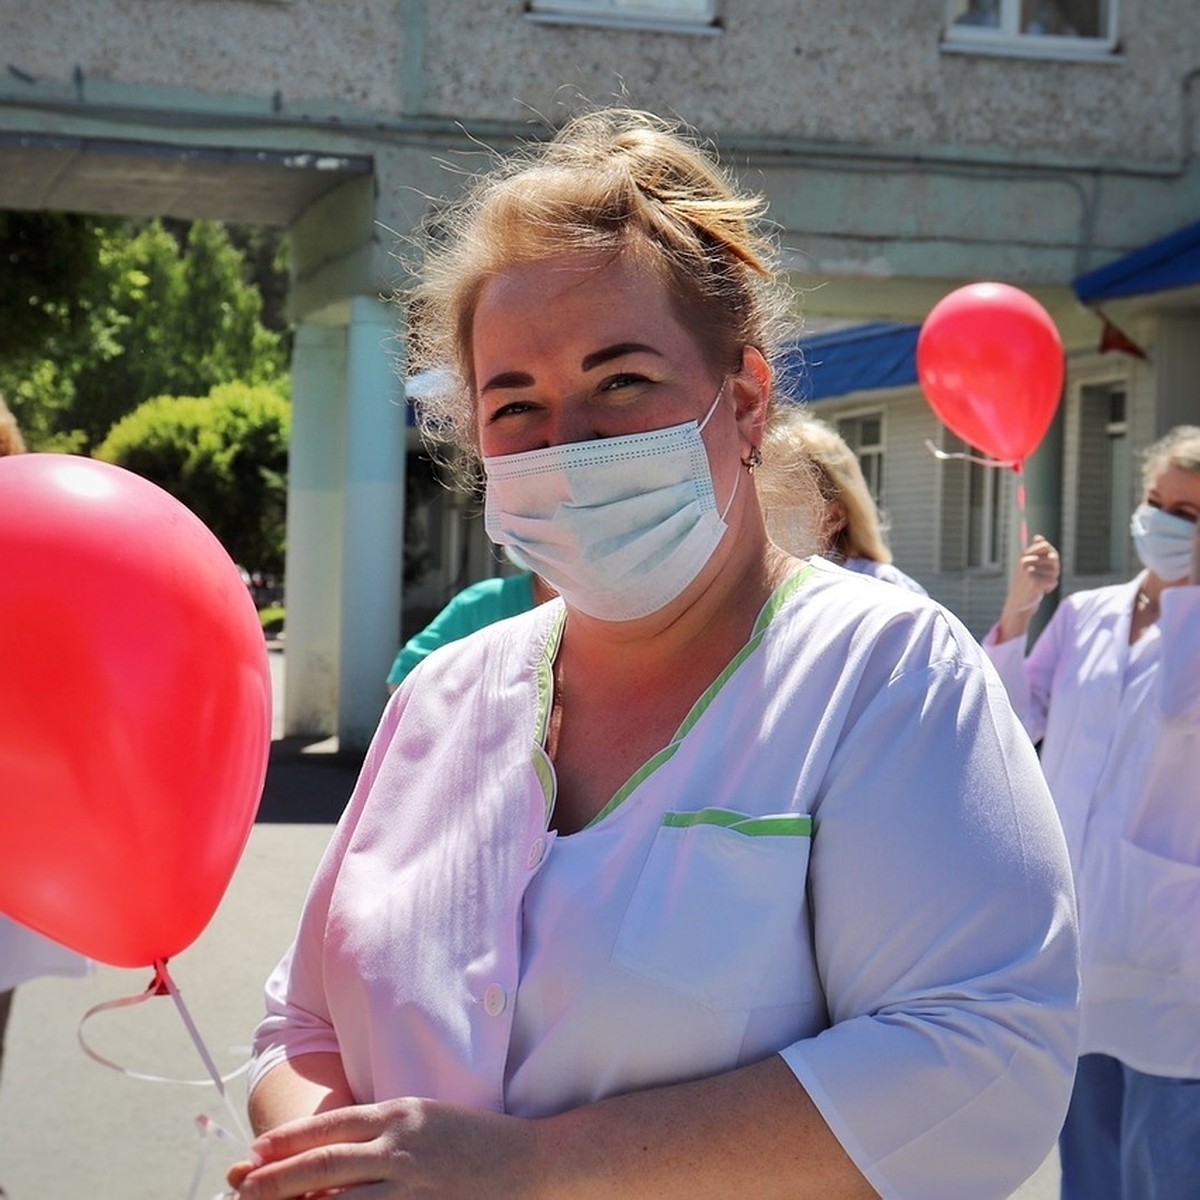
689 882
1111 688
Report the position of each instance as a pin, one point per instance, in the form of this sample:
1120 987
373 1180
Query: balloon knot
158 985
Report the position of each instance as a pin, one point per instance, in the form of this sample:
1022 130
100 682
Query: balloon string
1014 464
1021 506
164 976
210 1131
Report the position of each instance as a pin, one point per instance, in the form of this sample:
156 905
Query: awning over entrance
1169 263
857 359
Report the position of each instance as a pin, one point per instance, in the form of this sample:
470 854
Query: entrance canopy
133 178
860 358
1171 263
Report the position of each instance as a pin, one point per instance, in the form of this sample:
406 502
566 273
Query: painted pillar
314 531
372 519
1176 358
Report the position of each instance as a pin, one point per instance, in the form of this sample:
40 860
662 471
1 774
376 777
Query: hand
1036 576
386 1151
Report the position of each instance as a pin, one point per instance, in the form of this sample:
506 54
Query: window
972 510
1102 483
984 492
864 435
1037 28
687 16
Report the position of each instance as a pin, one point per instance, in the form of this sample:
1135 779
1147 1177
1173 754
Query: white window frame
1007 38
991 525
662 16
876 451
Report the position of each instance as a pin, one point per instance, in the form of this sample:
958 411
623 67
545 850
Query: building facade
905 146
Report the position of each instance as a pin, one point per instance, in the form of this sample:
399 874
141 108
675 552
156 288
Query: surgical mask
620 526
1163 542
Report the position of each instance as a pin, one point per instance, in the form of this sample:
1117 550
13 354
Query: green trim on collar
770 610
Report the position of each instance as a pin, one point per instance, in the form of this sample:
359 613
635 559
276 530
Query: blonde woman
800 452
688 882
1111 688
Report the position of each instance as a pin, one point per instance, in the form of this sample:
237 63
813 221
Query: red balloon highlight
135 711
990 362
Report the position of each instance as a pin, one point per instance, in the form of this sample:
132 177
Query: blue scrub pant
1130 1136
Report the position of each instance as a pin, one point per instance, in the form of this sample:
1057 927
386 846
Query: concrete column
1176 357
314 531
372 518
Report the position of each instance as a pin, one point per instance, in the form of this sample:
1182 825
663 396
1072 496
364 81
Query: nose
571 420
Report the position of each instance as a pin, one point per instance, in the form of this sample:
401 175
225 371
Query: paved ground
71 1129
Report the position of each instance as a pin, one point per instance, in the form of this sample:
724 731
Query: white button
494 1000
536 852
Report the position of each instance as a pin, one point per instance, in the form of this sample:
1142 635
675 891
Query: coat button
494 1000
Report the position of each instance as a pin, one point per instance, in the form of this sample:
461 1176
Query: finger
359 1123
325 1170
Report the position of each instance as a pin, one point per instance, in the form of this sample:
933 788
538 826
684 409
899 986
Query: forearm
299 1087
750 1131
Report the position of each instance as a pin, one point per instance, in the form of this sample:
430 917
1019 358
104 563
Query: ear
752 397
836 520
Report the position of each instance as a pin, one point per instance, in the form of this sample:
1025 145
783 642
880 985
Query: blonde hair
1180 447
802 455
11 441
611 181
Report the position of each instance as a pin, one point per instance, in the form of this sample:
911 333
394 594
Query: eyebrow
515 379
599 357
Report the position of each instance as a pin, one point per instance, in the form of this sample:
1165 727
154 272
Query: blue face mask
620 526
1163 542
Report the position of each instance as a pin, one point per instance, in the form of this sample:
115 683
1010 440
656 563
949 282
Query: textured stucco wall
870 72
344 51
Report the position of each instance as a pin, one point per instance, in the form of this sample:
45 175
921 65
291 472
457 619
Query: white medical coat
1120 733
847 855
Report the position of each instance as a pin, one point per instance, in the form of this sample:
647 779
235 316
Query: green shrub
224 455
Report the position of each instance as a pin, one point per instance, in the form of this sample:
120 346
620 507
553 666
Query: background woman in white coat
1112 690
800 452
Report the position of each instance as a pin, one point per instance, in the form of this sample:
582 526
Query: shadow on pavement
308 782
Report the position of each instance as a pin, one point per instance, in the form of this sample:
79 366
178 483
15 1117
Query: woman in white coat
720 874
1112 690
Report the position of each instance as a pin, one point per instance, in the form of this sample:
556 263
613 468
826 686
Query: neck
713 618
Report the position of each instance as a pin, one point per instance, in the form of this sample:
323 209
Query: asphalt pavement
72 1129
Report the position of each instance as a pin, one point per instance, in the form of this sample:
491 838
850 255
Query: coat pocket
1158 913
719 911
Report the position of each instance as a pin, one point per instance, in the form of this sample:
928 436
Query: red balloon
135 710
990 362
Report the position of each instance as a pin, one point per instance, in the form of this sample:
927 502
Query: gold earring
754 459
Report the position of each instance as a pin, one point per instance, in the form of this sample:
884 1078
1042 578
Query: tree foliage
224 455
111 314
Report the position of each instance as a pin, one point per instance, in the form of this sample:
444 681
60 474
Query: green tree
223 455
152 313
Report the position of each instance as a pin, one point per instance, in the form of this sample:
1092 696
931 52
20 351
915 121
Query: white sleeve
1028 678
297 1019
952 988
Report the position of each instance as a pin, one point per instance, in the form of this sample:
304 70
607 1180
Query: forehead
570 296
1172 482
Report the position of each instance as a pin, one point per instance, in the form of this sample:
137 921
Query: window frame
1007 39
1108 441
646 15
876 450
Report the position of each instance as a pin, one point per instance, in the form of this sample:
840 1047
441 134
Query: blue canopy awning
1171 262
858 359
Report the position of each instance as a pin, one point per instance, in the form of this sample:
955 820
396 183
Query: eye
616 383
514 408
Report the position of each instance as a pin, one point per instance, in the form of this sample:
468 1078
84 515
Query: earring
754 459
